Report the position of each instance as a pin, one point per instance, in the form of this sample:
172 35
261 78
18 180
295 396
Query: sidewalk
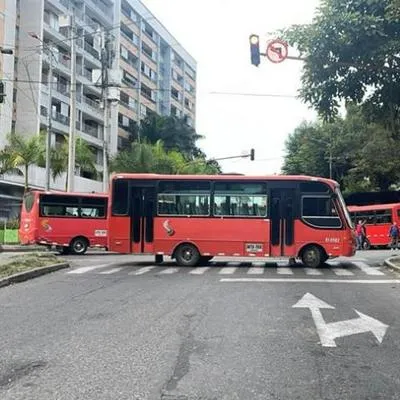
17 248
393 262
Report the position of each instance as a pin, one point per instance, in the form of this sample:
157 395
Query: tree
84 157
364 155
351 52
154 158
22 152
175 133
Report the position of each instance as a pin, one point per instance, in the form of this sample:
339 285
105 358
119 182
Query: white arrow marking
333 330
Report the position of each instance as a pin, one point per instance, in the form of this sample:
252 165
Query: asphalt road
120 327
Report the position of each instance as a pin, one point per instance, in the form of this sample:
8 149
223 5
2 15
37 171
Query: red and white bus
72 222
194 218
378 219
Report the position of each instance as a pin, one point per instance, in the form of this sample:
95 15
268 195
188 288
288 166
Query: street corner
393 263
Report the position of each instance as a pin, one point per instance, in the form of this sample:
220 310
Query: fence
9 232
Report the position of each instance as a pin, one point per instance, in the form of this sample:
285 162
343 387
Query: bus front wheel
78 245
187 255
313 257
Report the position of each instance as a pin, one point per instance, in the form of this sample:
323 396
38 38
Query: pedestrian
394 236
360 234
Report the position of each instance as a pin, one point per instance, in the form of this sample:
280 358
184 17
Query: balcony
100 8
63 119
94 131
92 108
94 54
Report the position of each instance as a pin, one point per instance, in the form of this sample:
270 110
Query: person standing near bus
394 235
360 231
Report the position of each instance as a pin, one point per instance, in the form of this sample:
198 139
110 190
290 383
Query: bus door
282 222
143 208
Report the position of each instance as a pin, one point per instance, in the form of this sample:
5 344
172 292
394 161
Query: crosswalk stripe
111 271
284 271
227 270
142 271
169 271
367 269
342 272
199 270
312 271
83 270
255 271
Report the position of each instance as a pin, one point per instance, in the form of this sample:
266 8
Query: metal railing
91 50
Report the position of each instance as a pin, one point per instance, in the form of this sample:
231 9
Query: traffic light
255 50
252 154
2 90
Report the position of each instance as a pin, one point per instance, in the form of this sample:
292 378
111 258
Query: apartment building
45 39
158 74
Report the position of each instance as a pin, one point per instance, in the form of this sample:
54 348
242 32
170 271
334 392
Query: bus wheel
187 255
313 257
79 245
366 245
205 259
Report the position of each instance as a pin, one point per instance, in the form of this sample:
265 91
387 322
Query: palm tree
7 164
23 153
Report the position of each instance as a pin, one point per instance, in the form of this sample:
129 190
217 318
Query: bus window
120 197
29 200
314 187
247 199
60 206
317 211
183 204
383 217
92 207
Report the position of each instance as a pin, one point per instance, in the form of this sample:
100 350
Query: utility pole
49 121
50 54
107 57
72 121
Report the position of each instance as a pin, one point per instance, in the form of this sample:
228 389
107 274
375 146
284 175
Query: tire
205 259
366 245
313 257
187 255
78 246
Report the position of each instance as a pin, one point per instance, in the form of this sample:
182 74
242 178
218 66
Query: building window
149 52
176 94
190 72
129 79
129 34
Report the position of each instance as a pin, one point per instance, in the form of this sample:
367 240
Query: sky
216 33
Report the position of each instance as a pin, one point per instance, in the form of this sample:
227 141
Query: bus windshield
344 207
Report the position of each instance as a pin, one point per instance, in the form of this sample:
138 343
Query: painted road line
255 271
284 271
169 271
142 271
308 280
199 270
312 271
83 270
367 269
227 270
342 272
111 271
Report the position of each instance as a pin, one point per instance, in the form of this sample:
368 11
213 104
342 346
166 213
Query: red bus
378 218
72 222
193 218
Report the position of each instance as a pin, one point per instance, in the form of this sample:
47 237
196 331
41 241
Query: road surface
120 327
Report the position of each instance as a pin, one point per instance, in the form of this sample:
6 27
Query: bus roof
373 207
56 192
330 182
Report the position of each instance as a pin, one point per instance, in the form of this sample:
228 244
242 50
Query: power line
254 94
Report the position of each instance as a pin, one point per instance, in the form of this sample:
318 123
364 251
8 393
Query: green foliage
173 132
364 155
20 153
154 158
351 52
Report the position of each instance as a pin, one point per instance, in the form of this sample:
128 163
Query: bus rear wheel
313 257
187 255
78 246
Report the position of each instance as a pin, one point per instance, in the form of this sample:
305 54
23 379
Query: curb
388 262
33 273
21 249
